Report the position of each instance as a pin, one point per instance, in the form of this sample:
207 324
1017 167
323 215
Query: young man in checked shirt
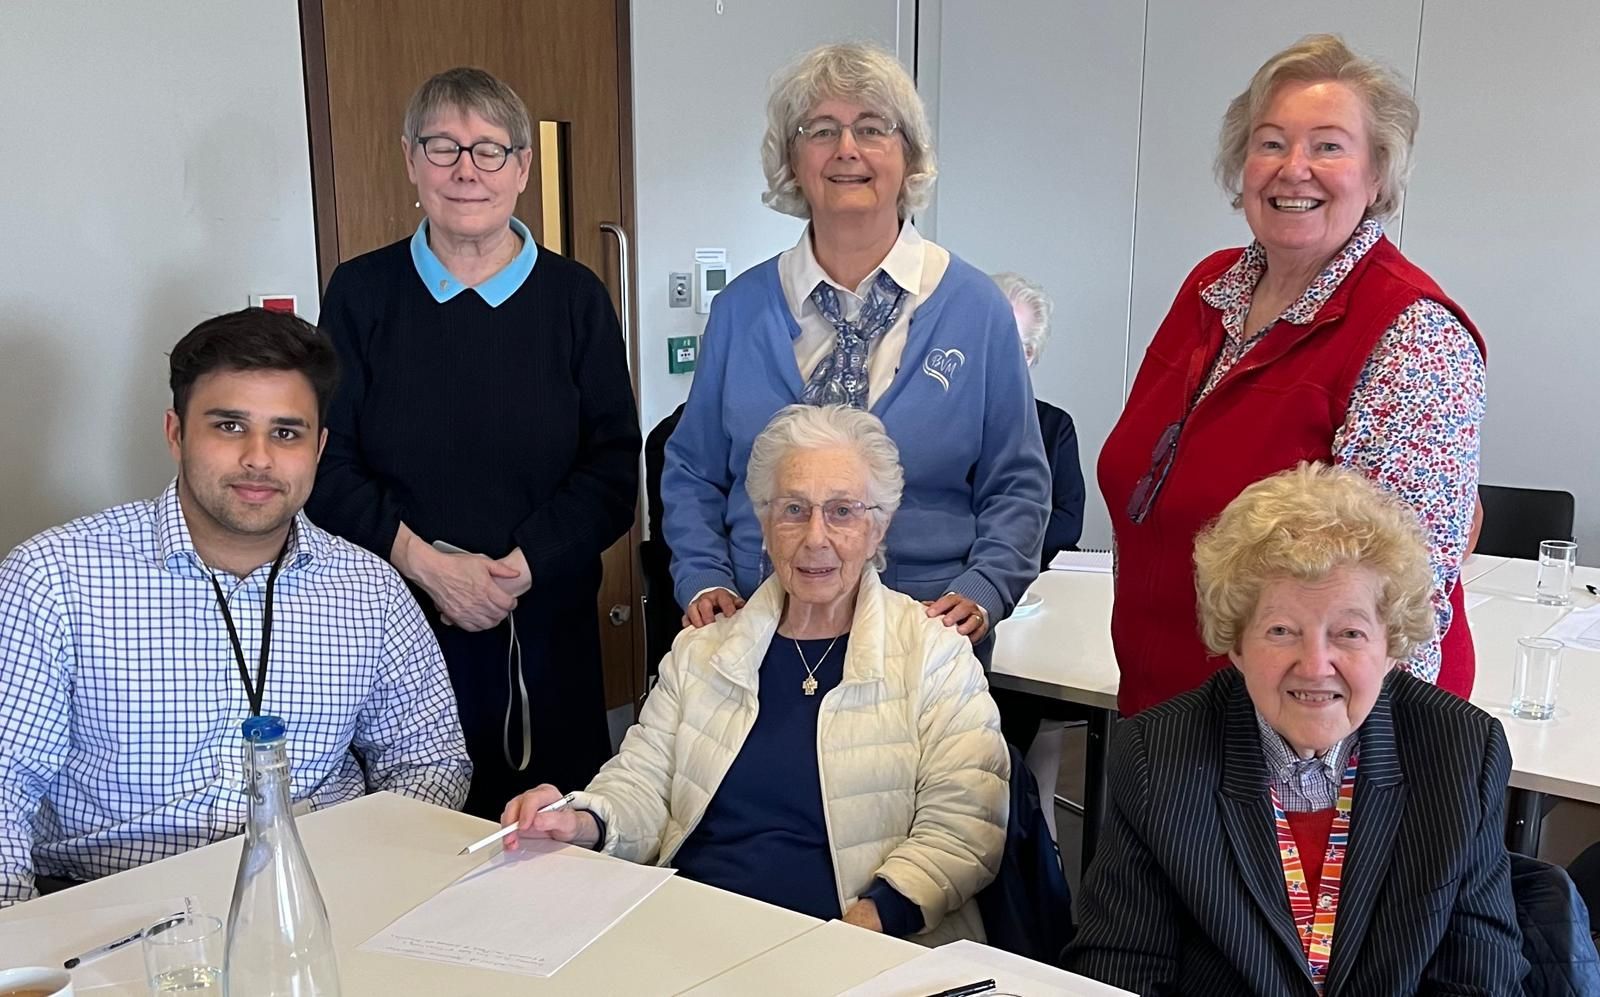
134 642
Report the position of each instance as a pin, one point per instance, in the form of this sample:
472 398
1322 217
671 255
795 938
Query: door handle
625 262
619 615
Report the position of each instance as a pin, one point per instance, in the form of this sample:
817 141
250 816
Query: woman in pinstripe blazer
1311 821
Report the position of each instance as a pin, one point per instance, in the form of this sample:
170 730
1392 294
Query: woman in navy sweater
486 404
863 312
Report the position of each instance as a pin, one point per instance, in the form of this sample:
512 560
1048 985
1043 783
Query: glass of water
1557 560
1533 684
183 955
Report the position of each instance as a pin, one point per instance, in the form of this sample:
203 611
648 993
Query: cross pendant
809 685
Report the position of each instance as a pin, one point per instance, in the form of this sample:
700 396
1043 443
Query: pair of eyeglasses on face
870 131
490 157
837 514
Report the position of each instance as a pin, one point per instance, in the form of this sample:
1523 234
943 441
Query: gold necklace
809 686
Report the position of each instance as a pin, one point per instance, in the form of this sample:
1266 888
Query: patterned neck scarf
841 377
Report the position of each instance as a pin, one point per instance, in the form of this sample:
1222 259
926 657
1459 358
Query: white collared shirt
913 262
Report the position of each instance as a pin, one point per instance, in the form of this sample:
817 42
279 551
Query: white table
377 857
1063 652
828 959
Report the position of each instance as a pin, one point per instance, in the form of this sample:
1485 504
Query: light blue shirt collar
442 284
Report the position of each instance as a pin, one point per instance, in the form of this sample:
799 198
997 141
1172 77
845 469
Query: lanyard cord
258 689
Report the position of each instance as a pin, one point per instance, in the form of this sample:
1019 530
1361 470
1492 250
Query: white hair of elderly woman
813 427
1032 307
862 73
1391 113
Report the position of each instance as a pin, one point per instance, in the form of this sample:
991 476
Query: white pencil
490 839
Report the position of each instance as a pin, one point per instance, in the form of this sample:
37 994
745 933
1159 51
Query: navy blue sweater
764 834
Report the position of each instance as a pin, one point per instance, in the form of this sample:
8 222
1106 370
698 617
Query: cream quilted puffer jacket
914 769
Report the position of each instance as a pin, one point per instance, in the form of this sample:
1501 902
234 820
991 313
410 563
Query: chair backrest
662 615
1515 520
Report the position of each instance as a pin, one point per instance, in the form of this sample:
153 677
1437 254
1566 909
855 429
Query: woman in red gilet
1318 341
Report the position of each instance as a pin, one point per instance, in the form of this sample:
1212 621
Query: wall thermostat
710 277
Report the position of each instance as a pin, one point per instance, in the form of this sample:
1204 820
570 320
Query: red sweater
1281 404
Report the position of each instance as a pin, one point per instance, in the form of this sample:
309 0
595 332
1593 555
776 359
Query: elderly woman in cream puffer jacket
830 747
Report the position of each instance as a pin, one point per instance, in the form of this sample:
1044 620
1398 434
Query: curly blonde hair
1391 113
1305 523
867 75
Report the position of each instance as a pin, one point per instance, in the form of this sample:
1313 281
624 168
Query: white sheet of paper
1579 628
965 962
1082 560
52 939
527 912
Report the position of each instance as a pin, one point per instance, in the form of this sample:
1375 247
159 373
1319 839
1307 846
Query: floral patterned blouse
1414 416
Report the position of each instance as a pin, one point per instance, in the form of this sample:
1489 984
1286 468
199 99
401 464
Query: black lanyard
259 688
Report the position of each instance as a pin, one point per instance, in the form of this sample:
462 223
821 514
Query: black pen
966 989
115 944
1593 591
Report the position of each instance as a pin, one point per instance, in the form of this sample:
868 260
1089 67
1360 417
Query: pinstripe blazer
1186 894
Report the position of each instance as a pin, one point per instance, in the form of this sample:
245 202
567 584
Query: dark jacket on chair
1186 892
1555 931
1028 907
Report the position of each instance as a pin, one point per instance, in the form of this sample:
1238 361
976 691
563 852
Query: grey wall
156 173
1504 211
699 104
1077 139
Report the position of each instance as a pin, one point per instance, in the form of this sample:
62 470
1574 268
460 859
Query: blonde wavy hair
1391 113
867 75
1305 523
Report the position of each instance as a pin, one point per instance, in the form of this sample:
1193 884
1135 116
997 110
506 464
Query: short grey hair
467 89
862 73
813 427
1391 113
1031 300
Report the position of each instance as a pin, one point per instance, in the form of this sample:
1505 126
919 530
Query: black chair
1515 520
662 615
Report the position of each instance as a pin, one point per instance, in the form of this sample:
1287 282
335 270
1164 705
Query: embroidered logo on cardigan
941 365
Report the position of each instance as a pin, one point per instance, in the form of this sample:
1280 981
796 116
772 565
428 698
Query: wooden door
568 60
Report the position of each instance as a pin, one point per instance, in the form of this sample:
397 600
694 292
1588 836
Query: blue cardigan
960 408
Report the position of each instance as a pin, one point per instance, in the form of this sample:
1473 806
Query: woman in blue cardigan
863 311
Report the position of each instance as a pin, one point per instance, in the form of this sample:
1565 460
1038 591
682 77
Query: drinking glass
1533 684
183 955
1557 560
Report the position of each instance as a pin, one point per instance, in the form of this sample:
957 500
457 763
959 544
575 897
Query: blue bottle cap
258 729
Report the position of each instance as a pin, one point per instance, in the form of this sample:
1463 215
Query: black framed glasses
1149 486
490 157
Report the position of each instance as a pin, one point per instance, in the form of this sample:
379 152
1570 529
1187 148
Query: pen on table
112 946
966 989
490 839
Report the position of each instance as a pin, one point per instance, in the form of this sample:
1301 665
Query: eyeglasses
1149 486
837 514
870 131
490 157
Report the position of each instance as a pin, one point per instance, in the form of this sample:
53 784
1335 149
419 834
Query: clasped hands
471 591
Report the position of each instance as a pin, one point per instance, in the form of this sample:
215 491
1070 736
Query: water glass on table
183 955
1558 559
1533 684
